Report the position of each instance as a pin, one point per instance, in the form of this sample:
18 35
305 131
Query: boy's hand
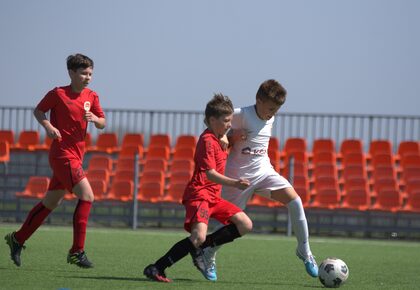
224 142
53 133
242 183
90 117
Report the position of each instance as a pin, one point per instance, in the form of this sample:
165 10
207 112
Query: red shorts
200 211
66 173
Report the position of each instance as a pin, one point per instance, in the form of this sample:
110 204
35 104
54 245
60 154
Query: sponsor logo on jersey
250 151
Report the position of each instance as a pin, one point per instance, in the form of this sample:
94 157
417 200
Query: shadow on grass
118 278
279 284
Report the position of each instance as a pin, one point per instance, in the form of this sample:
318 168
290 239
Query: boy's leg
178 251
32 222
77 254
238 198
293 202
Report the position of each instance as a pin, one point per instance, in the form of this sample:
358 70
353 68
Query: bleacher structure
340 190
349 186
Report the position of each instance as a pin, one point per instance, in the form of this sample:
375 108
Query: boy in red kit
202 198
71 108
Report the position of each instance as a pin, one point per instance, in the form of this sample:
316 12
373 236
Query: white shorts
263 186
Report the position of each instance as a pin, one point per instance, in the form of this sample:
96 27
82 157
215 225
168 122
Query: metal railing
338 127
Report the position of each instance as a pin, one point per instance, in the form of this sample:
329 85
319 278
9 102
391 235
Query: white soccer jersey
249 158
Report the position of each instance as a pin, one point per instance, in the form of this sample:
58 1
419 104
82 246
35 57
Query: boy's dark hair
272 90
218 106
76 61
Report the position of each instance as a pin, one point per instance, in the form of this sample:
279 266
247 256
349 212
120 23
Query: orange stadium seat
382 160
152 176
36 187
408 148
380 147
356 199
413 202
180 177
388 199
410 161
9 136
157 164
182 165
4 152
158 152
188 141
351 146
150 192
328 198
124 174
99 188
107 142
323 145
355 183
274 143
325 170
275 157
121 190
322 158
160 140
126 163
352 171
304 194
98 174
184 153
354 159
295 145
410 174
132 139
28 140
175 193
100 162
131 151
384 184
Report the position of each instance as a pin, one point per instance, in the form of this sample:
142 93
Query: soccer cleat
153 273
310 264
203 265
210 258
15 248
79 259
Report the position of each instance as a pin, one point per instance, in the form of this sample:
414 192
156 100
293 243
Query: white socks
299 225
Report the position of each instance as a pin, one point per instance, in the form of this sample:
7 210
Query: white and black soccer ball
333 272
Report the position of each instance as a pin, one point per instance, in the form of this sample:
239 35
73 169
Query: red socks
33 221
80 220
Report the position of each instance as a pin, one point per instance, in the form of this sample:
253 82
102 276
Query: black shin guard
222 236
176 253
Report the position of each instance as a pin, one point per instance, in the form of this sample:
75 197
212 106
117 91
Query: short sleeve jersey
66 114
208 155
249 158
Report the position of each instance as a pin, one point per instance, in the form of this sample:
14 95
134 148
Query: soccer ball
333 272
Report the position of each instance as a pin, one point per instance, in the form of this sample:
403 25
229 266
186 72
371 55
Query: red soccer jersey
67 112
208 155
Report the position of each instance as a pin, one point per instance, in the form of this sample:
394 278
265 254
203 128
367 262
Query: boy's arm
52 132
218 178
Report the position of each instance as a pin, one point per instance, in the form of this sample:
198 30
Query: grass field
253 262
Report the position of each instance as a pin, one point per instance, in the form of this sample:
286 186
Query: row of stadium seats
108 142
324 177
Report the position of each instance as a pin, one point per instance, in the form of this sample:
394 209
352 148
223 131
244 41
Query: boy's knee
245 225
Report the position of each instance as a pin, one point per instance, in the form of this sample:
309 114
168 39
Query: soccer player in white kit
248 159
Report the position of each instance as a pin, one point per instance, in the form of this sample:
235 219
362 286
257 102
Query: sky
348 56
